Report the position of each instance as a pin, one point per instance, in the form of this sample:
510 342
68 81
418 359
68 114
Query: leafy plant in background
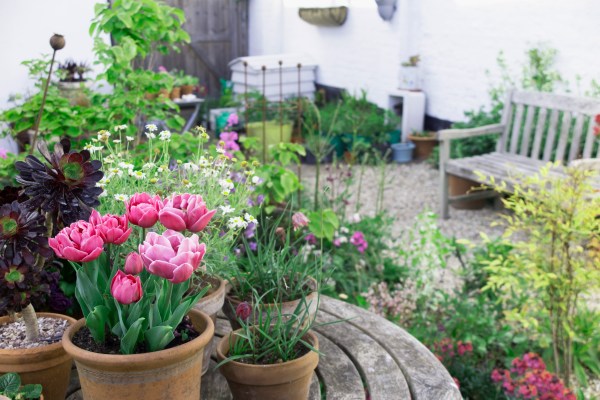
556 263
11 389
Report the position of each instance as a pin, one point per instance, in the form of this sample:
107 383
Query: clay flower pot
49 365
287 307
176 93
458 186
187 89
211 304
289 380
172 373
424 145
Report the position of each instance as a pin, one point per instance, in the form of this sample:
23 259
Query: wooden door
219 33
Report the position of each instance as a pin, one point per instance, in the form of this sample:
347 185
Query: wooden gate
219 33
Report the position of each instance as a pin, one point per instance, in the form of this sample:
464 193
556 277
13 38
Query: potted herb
273 354
72 82
188 84
409 73
424 142
141 336
11 388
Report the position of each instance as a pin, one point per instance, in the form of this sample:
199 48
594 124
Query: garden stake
57 42
246 95
280 102
298 112
264 116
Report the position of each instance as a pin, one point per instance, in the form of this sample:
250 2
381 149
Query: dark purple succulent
8 194
23 235
19 283
65 186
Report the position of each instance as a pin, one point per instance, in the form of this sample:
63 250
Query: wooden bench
536 128
366 357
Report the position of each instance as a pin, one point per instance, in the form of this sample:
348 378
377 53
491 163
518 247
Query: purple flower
253 246
311 239
337 242
358 240
250 230
233 119
260 199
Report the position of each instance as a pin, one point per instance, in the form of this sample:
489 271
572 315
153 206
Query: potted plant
274 269
409 74
72 82
188 84
273 354
424 142
11 388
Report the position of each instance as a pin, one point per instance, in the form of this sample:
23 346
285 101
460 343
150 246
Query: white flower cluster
151 128
241 222
226 185
165 136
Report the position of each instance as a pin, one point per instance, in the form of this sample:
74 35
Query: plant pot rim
236 300
306 360
402 145
149 360
423 138
34 352
215 291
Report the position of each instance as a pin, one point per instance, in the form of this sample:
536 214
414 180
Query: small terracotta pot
211 304
288 307
289 380
150 96
49 365
176 93
424 146
164 92
458 186
187 89
166 374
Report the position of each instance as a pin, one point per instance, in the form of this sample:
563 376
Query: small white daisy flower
227 209
137 175
164 136
117 141
148 166
130 138
121 197
151 127
256 180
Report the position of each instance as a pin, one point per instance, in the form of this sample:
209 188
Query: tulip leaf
87 292
179 313
159 337
130 339
96 322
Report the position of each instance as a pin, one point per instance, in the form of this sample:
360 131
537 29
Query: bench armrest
448 134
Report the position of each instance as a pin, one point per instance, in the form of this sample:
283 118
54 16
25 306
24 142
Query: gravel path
409 190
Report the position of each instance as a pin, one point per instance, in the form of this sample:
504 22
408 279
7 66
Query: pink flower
311 239
133 263
111 228
126 289
243 310
228 136
3 153
142 209
78 242
175 263
162 69
358 240
185 211
299 220
232 119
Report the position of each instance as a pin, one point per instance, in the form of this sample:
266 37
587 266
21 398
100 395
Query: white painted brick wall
458 40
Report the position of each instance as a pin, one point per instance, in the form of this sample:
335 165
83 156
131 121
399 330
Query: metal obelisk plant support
57 42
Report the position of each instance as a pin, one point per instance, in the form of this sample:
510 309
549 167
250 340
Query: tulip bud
243 310
126 289
57 41
133 263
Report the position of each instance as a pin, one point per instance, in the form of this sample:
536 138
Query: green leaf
96 322
32 391
10 383
159 337
131 338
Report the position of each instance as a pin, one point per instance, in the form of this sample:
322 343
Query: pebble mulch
12 335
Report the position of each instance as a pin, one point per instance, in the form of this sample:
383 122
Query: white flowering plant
226 184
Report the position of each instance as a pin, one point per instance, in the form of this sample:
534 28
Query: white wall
458 40
25 29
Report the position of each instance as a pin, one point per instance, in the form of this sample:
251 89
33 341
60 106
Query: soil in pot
424 145
172 373
459 186
48 365
288 380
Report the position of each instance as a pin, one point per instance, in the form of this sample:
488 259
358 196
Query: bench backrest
549 127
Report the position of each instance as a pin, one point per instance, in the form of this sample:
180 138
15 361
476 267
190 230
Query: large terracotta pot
424 145
166 374
288 307
187 89
49 365
289 380
211 304
458 186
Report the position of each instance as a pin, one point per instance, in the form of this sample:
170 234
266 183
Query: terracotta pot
289 380
164 92
424 146
150 96
49 365
288 307
176 93
458 186
166 374
187 89
75 92
211 304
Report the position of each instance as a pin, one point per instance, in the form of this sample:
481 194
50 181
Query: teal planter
394 136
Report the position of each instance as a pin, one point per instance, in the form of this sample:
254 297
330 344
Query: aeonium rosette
118 288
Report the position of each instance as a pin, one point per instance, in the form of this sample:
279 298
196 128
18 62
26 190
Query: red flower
597 119
243 311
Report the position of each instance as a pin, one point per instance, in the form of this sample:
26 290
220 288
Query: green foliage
323 223
555 263
10 386
8 172
280 182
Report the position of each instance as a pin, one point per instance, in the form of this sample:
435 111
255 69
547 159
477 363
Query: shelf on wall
324 16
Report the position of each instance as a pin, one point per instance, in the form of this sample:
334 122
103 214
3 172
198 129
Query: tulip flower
299 220
78 242
185 211
175 259
243 310
126 289
133 263
111 228
142 209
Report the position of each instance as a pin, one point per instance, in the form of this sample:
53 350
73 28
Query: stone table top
365 357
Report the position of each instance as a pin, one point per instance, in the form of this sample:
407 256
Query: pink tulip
299 220
185 211
111 228
142 209
78 242
174 237
174 259
126 289
133 263
243 310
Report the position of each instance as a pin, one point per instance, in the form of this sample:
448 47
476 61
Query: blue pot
402 152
